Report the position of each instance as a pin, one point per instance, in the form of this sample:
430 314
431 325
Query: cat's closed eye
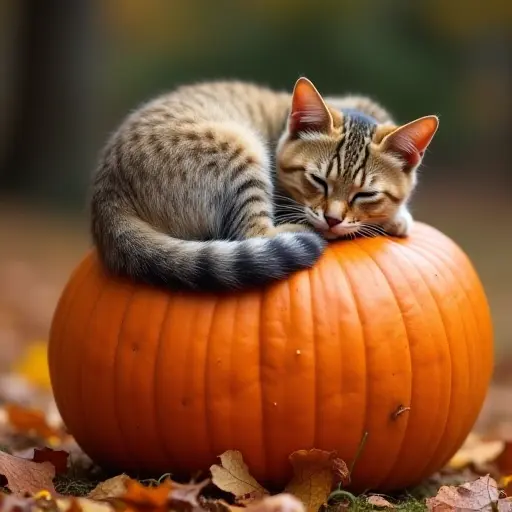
365 195
320 182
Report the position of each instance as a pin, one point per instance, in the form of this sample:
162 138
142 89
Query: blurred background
71 70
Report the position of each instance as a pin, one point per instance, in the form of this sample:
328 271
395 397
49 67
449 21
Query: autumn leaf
476 451
481 494
315 473
504 460
154 499
34 365
233 476
109 489
185 496
59 458
30 422
25 476
278 503
379 501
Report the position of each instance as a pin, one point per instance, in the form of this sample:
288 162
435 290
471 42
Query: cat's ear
411 140
309 111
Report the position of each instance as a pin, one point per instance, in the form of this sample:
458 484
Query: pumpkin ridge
365 351
156 408
117 367
207 356
469 349
315 353
83 273
435 453
399 306
264 419
80 394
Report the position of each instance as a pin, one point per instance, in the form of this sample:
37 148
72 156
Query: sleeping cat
225 185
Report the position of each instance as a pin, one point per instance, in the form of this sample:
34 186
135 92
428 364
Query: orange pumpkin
384 336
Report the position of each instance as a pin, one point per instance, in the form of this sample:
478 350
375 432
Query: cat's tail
131 247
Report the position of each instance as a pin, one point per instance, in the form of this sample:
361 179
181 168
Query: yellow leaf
315 472
233 476
111 488
33 365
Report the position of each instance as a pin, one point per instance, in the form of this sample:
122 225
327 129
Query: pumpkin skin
158 381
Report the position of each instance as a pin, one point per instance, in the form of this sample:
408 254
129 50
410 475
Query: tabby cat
226 185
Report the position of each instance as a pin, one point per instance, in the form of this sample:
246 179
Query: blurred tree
50 145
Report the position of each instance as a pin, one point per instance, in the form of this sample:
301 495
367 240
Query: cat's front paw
401 224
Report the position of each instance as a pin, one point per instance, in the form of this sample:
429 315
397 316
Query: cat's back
216 100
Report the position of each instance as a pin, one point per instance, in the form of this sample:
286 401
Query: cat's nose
331 221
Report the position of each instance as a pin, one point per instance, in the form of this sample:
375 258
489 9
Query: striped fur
186 193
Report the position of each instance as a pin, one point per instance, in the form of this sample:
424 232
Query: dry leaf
109 489
504 460
185 496
59 458
25 476
278 503
315 473
477 495
379 501
476 451
31 422
154 499
233 476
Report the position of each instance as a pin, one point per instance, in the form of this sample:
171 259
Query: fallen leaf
59 458
80 505
33 365
379 501
278 503
112 488
185 496
31 422
504 460
233 476
480 494
25 476
154 499
315 474
476 451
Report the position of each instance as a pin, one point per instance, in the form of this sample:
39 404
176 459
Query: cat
226 185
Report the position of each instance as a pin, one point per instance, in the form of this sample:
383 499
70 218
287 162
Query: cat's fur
191 187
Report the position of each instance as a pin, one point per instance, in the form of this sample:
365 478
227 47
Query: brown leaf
477 495
31 422
504 460
59 458
233 476
315 473
185 496
476 451
278 503
154 499
109 489
25 476
379 501
81 505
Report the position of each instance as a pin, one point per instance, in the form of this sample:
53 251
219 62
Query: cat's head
345 168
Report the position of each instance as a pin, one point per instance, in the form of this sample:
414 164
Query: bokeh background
70 71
